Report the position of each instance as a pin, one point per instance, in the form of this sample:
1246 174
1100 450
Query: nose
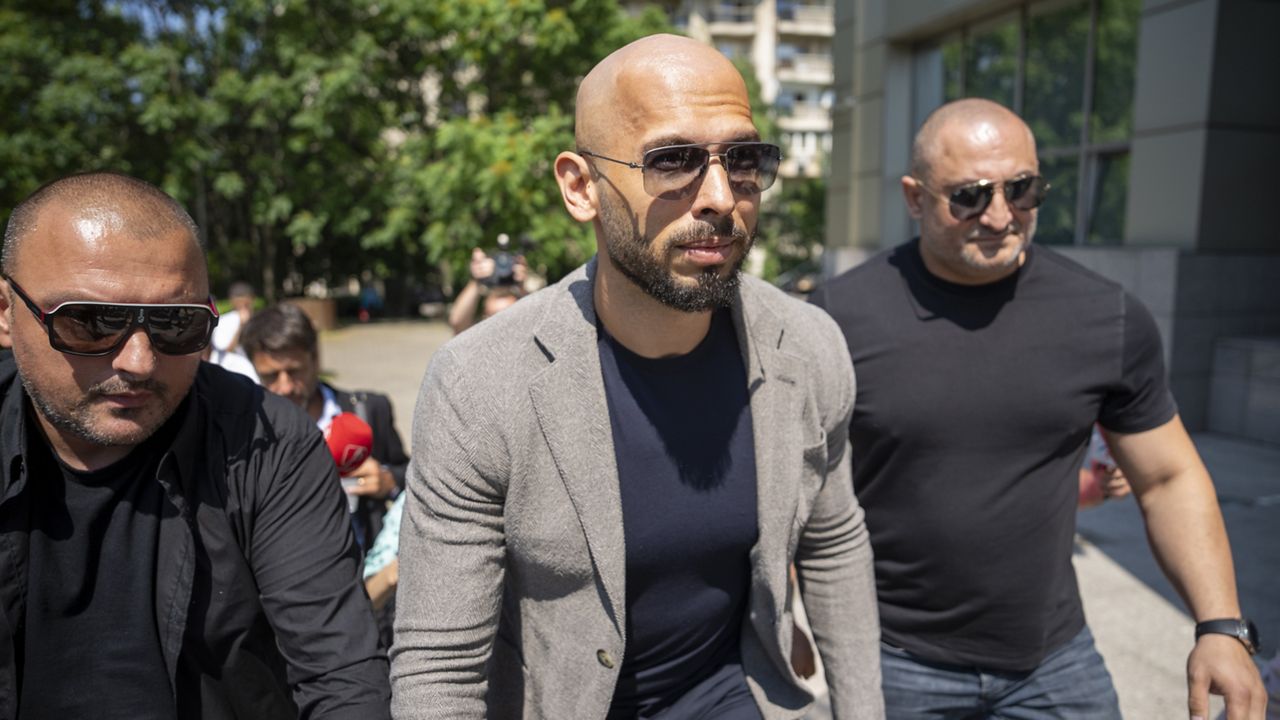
715 196
284 384
998 214
136 358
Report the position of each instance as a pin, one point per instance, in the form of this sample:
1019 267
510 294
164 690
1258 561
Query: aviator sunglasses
673 172
971 200
95 328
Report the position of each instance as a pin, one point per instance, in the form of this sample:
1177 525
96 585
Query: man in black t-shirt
173 540
982 363
612 477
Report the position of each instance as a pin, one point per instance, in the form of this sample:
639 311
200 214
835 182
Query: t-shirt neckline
919 269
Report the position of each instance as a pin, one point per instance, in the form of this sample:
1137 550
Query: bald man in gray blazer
612 477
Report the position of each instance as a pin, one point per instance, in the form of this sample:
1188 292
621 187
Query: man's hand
1114 484
803 661
374 480
1220 665
1102 482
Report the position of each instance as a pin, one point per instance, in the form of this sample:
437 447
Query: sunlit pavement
1140 626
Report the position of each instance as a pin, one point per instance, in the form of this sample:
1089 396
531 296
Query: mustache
723 227
117 385
1013 228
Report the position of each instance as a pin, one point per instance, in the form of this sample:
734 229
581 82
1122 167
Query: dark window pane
1117 55
992 63
1057 34
1110 188
927 69
953 68
1057 216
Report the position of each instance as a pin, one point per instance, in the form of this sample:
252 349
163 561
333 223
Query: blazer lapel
573 413
775 384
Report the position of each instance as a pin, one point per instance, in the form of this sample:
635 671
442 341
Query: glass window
1056 224
1108 187
953 68
991 65
1057 35
1082 132
1114 70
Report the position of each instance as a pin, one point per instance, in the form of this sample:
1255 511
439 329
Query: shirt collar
331 408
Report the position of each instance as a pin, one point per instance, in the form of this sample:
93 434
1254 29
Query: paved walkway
388 357
1140 625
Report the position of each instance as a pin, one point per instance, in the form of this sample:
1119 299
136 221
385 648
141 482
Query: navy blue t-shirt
686 464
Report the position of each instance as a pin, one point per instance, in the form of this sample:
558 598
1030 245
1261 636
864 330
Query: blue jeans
1072 682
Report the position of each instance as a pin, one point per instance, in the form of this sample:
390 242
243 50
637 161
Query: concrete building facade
1158 124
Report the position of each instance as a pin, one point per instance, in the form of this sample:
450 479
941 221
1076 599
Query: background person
283 346
496 296
225 349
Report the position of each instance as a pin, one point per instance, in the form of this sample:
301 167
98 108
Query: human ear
576 186
4 309
911 192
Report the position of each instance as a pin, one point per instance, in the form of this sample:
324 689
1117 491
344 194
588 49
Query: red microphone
350 441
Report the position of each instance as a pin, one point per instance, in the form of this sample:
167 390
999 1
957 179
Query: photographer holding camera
498 279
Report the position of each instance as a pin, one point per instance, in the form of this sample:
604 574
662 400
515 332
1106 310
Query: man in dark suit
282 345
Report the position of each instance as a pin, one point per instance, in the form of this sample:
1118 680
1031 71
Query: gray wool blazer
511 601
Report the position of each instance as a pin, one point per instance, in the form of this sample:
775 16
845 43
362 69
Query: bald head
968 115
612 97
104 197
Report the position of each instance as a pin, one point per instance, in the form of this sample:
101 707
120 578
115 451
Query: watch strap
1238 628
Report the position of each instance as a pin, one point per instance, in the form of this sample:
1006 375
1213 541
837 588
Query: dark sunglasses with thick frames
93 329
968 201
673 172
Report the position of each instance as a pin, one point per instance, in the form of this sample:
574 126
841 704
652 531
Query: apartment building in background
788 44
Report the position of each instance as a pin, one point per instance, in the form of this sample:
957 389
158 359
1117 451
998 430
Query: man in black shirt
612 477
173 541
982 363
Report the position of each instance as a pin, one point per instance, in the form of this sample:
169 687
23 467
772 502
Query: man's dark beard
629 252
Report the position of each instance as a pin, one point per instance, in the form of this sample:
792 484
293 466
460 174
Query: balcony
812 69
732 20
805 19
804 117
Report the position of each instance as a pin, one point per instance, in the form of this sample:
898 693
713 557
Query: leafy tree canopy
314 141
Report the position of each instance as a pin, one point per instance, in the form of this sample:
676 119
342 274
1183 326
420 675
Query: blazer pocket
813 473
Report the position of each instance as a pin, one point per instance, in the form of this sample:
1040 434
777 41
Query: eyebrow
669 140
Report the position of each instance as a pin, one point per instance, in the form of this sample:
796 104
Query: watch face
1250 632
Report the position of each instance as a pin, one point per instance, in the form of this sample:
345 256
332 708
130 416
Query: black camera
504 265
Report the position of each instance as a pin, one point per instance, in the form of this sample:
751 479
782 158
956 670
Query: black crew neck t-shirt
91 647
685 454
974 410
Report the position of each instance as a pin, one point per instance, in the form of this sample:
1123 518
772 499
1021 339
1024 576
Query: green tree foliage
66 103
793 225
480 164
793 214
313 141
